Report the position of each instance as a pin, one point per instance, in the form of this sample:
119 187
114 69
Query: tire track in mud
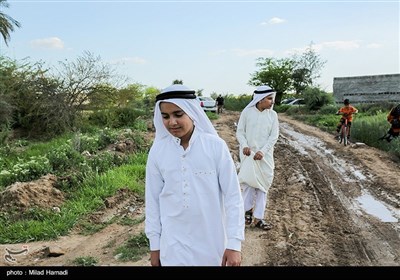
319 193
312 203
326 212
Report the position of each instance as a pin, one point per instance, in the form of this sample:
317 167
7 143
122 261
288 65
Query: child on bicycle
347 112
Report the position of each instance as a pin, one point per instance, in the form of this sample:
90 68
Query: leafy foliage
287 74
7 23
316 98
276 73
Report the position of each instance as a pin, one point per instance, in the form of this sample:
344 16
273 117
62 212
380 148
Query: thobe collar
195 134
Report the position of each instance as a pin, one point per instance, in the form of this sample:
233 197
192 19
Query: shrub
24 171
316 98
329 109
64 158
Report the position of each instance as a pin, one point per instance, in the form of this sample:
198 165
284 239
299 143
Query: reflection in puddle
376 208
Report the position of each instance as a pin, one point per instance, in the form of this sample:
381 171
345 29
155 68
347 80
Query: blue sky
210 45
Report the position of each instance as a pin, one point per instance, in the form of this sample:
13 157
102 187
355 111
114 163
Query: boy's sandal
263 225
248 217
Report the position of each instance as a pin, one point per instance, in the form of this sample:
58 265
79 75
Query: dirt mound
39 193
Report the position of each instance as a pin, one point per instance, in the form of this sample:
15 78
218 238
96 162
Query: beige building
367 89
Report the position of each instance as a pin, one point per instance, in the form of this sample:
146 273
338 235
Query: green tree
277 73
132 95
301 79
33 97
149 98
103 96
7 23
177 82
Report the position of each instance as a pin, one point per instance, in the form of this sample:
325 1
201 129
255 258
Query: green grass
367 127
134 249
85 261
125 221
212 116
88 198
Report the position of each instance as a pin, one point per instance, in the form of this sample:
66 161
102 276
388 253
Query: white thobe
259 131
194 208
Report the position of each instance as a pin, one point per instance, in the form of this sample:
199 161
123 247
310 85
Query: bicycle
344 129
343 133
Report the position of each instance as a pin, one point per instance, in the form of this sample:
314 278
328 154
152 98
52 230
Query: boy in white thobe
257 132
194 208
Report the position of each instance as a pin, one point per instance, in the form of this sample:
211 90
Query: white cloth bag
251 173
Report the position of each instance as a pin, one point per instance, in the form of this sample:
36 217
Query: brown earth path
330 206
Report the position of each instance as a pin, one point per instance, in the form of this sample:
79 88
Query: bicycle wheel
344 135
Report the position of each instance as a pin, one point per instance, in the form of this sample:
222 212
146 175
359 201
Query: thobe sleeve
273 136
154 185
233 203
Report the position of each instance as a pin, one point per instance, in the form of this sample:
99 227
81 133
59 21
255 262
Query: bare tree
79 79
307 68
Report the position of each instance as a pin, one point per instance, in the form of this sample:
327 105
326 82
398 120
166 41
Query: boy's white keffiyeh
189 105
260 93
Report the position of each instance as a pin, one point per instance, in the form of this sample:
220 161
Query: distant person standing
257 133
220 103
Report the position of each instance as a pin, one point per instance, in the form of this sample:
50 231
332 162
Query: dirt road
330 206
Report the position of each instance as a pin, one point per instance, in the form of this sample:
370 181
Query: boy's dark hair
346 102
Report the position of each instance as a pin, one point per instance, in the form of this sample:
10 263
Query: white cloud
374 46
274 20
295 51
129 60
337 45
53 43
256 52
218 52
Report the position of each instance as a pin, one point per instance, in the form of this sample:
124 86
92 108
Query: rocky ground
330 205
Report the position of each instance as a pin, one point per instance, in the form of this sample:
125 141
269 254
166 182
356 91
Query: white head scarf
260 93
184 98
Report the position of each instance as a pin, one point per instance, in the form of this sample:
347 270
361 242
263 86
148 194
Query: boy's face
266 102
175 120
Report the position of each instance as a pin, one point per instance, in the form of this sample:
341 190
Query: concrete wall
367 89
